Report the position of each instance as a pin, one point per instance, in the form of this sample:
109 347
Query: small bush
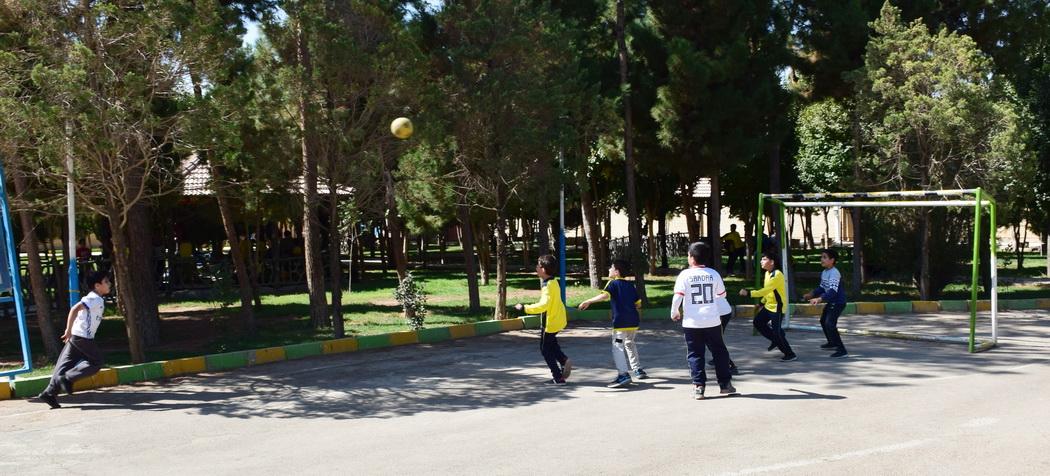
412 295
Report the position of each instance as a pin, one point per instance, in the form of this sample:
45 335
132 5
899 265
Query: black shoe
733 370
829 346
566 368
555 382
771 347
65 384
840 354
727 389
50 400
788 358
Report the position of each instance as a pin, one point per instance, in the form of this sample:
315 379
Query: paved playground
478 406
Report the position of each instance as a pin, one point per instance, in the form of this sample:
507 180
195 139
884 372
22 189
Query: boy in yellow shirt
552 317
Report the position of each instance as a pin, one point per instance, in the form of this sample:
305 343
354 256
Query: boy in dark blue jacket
830 292
625 322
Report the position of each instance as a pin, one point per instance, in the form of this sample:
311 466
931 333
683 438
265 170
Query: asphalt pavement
479 406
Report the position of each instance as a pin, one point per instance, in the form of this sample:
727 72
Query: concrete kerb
28 387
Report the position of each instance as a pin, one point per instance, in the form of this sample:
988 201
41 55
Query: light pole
74 279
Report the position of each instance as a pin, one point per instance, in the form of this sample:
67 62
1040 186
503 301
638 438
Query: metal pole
74 279
995 270
975 264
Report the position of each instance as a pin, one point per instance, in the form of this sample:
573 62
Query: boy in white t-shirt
697 290
81 357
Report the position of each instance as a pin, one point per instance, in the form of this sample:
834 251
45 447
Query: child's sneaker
829 346
727 389
566 368
840 354
555 381
50 400
698 392
622 380
640 373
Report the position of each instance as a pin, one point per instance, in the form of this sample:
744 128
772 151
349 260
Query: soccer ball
401 128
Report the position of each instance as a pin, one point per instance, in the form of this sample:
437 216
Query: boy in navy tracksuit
625 322
830 292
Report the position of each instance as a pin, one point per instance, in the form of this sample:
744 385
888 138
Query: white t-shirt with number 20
696 290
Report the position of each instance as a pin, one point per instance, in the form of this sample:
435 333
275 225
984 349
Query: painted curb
460 331
140 372
5 390
104 378
897 307
435 334
189 365
531 322
262 356
29 387
955 306
299 351
347 344
925 306
487 327
871 308
512 324
373 342
228 360
403 338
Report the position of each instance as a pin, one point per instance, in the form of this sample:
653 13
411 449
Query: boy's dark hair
94 277
622 266
831 254
700 252
772 257
549 264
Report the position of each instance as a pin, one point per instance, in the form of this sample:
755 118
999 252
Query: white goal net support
975 198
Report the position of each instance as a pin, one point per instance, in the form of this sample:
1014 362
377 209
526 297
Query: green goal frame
975 198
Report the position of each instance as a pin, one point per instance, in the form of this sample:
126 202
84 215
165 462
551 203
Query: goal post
975 198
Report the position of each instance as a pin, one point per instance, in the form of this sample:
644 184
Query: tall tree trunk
651 236
144 287
467 234
925 285
628 150
543 238
123 275
857 217
393 223
36 275
311 224
688 209
527 237
335 268
593 237
663 240
239 267
481 241
501 253
606 235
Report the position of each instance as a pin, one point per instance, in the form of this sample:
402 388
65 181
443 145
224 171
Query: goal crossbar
925 198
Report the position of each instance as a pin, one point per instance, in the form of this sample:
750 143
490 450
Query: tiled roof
197 180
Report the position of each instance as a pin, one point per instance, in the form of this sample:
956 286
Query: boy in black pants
81 357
